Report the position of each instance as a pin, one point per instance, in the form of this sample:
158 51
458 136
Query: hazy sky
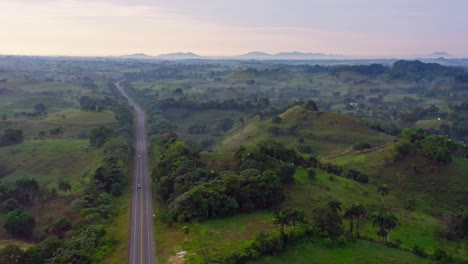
230 27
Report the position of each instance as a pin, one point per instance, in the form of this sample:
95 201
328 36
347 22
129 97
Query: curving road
141 243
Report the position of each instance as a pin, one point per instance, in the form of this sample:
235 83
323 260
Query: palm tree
410 206
383 190
281 219
334 205
359 211
186 231
386 222
349 215
390 223
378 220
294 215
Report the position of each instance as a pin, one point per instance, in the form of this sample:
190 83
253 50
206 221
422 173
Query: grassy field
438 189
218 237
432 123
359 252
49 160
75 123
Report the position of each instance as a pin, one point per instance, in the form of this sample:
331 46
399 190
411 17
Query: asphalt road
141 243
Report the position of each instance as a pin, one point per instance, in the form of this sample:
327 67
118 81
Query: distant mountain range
169 56
440 54
259 55
295 55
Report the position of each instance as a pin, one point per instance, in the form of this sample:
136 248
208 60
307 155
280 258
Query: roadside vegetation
63 169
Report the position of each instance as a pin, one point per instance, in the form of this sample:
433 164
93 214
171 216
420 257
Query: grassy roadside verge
118 231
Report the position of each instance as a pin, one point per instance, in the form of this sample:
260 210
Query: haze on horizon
213 27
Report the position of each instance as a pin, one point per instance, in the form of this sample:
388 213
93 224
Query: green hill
438 188
324 133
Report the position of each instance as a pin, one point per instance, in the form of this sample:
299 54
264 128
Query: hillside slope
327 134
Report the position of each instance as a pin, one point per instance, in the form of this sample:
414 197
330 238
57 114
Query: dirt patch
176 260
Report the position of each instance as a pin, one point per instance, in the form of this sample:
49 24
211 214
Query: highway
141 241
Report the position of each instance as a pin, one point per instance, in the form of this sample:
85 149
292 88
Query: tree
10 205
328 221
311 105
186 231
61 226
359 212
56 131
410 206
286 173
27 190
349 215
334 205
19 223
64 185
386 222
294 216
281 219
383 190
12 254
100 135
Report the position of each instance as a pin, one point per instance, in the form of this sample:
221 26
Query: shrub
441 255
362 178
361 145
61 226
311 173
419 251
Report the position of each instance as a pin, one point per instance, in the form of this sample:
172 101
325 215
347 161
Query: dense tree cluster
100 135
436 148
416 70
11 137
193 193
